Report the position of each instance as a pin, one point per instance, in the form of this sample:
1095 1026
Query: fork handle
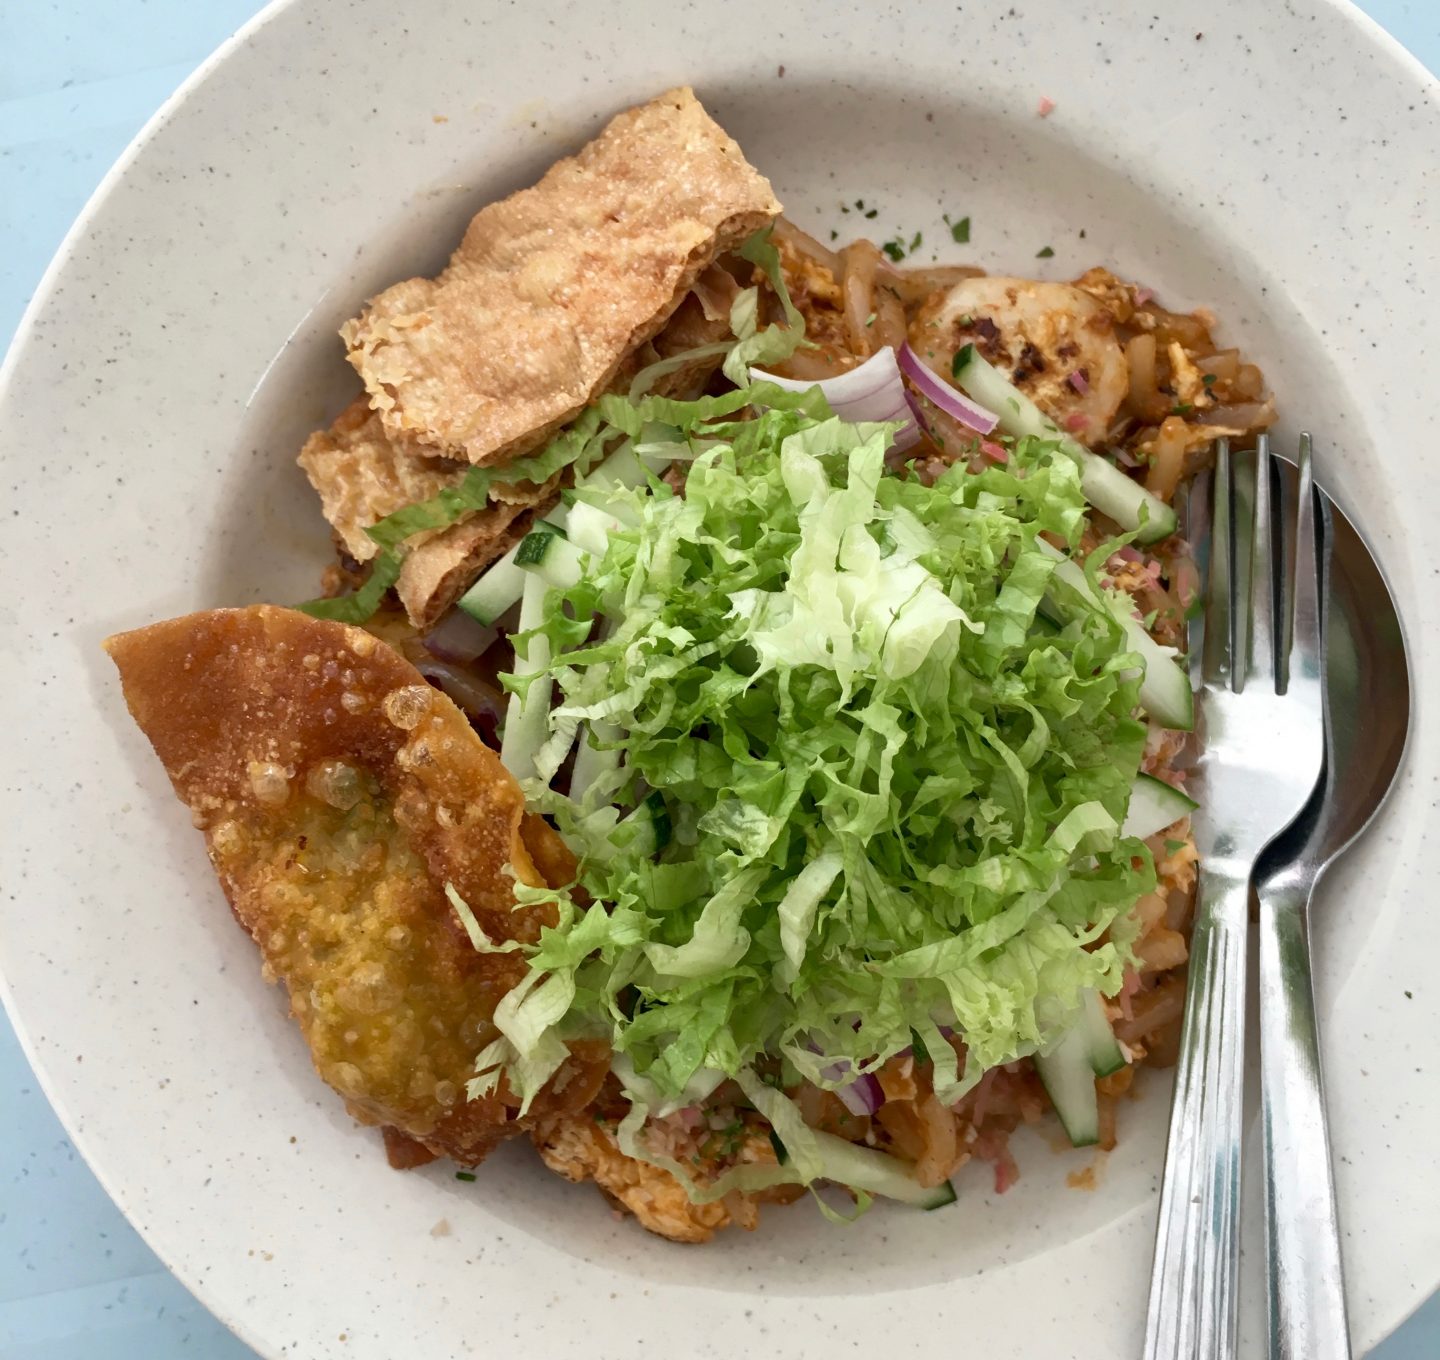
1305 1284
1192 1313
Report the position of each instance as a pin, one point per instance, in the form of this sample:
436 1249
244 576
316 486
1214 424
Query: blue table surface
78 78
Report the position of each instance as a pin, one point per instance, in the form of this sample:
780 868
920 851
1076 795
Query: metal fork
1256 659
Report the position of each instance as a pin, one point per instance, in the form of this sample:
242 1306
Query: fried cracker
339 794
554 286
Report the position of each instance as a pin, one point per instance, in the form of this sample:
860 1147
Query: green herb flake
1045 252
915 242
874 212
464 1175
894 249
960 231
1208 379
1182 408
870 320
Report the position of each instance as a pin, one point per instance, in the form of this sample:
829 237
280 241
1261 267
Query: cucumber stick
556 560
1154 805
1069 1081
1165 692
501 585
527 719
1106 488
1088 1049
878 1173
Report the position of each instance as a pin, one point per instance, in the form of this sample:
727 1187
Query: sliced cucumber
591 763
501 585
496 591
1106 1055
1069 1079
504 581
527 719
1165 692
863 1168
557 561
1154 805
1105 486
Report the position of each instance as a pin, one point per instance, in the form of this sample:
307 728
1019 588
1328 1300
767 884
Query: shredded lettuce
894 799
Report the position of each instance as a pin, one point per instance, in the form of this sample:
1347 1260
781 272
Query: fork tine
1195 521
1219 614
1302 652
1265 573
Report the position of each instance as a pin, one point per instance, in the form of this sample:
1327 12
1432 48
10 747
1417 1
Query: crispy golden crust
362 475
339 794
552 288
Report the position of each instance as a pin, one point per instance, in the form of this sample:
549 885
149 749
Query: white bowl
1274 163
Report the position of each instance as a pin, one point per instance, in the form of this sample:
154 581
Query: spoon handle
1305 1285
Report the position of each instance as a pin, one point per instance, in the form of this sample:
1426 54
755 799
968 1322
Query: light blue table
77 80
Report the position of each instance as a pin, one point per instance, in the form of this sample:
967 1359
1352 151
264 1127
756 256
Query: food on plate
341 798
742 742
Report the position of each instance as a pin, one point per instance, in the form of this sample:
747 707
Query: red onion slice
873 391
954 403
458 637
862 1096
471 694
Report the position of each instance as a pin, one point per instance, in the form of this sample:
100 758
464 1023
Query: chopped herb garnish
1082 233
961 361
1182 408
874 212
834 235
859 205
870 320
844 209
894 250
1045 252
464 1175
1208 379
915 242
960 231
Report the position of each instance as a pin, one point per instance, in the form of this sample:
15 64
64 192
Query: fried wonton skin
554 287
339 794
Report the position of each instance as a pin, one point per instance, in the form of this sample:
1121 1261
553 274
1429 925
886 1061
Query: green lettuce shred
894 799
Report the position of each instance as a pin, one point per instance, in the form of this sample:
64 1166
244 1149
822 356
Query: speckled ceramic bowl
1274 162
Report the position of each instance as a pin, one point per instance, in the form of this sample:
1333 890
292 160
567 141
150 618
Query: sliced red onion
458 637
873 391
994 452
1080 382
472 695
1124 457
953 403
1143 295
862 1096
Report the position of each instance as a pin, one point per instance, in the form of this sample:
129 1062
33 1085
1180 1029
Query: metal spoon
1367 718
